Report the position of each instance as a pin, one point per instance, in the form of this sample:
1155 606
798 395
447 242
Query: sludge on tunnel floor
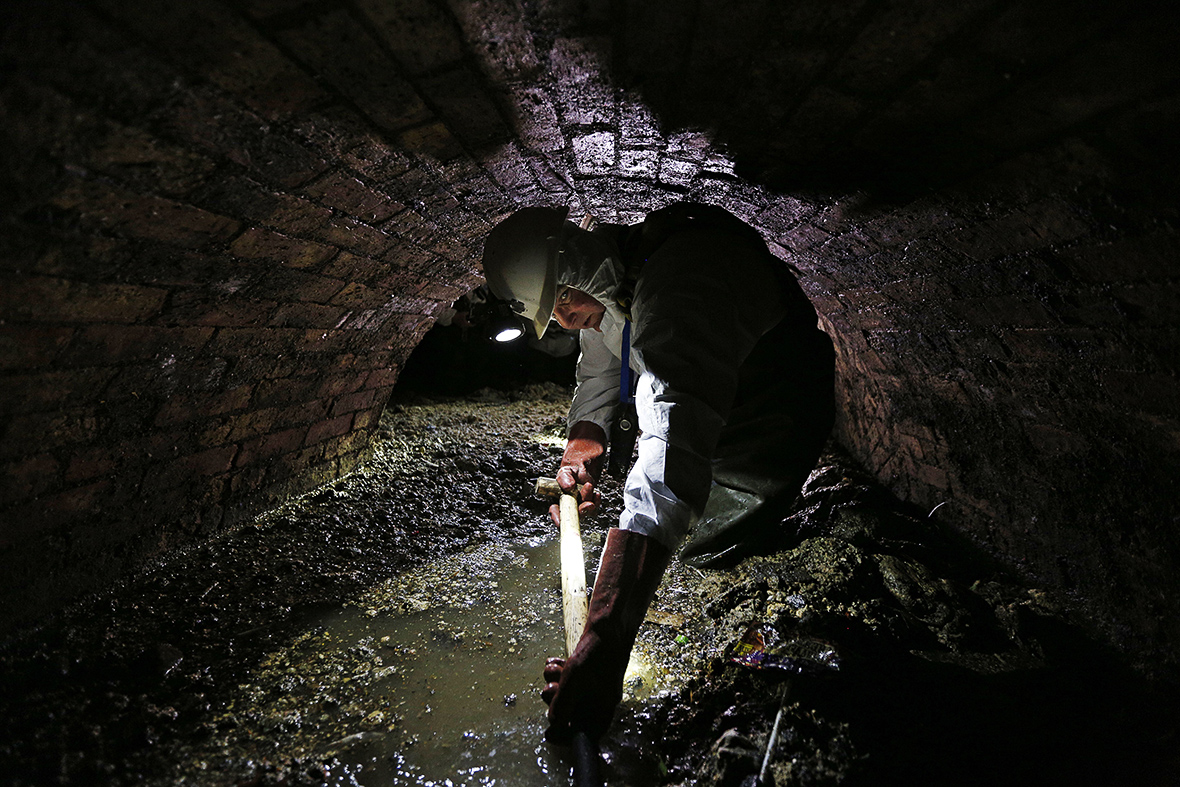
389 629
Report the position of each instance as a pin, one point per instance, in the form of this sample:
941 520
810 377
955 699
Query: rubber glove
581 464
583 690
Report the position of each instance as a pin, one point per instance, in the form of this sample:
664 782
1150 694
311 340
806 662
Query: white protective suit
701 303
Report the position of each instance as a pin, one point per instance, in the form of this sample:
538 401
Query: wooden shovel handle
575 609
573 574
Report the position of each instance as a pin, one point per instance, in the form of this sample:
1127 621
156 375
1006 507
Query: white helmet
520 261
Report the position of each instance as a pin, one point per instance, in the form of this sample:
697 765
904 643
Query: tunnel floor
382 630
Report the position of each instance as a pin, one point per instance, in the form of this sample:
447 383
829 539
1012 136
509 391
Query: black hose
586 762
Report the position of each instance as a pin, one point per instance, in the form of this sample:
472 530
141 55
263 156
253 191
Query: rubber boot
591 684
770 443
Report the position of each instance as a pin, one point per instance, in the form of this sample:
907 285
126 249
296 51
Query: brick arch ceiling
227 224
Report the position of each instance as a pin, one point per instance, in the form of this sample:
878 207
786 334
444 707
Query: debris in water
802 656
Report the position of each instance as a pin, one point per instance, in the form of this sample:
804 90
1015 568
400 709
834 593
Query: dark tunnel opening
460 359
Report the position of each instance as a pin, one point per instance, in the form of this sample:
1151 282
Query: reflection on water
462 643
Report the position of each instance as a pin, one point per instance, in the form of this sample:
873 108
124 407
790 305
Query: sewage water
460 645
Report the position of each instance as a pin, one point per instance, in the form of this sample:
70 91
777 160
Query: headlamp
503 324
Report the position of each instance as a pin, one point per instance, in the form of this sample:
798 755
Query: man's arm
583 690
595 401
597 396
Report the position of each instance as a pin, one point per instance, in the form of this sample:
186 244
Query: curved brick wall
227 224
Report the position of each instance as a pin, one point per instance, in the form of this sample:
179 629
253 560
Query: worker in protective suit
733 388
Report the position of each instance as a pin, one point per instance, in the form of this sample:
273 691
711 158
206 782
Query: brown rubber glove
585 451
583 690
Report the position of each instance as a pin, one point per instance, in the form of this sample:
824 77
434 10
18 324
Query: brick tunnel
226 226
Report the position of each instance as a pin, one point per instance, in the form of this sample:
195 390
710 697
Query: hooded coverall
734 392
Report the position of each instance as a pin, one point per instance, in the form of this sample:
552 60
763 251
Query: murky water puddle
460 644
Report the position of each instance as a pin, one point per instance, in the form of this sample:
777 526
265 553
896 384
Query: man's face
577 311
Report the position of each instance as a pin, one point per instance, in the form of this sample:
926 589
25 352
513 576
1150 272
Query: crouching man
733 388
